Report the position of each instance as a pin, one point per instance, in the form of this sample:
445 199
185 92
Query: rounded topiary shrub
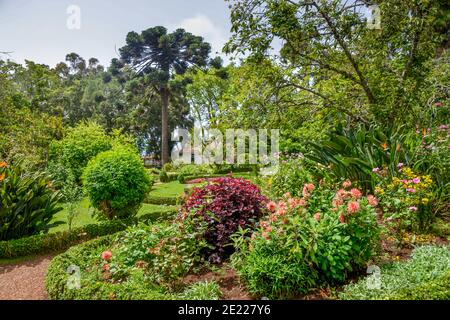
225 204
81 144
116 182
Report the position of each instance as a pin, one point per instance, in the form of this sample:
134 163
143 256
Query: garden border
51 242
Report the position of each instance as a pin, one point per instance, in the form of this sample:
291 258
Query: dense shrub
225 204
72 153
163 177
27 202
292 174
407 200
116 182
316 239
192 170
424 277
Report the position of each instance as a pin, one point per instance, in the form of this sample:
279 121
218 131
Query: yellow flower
379 190
425 200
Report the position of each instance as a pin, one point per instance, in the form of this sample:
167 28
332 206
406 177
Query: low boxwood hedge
51 242
172 201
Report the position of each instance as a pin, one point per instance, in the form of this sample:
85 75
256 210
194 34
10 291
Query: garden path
24 280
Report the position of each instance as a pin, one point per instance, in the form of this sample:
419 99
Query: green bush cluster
423 277
292 174
307 242
116 182
151 199
27 202
134 271
70 155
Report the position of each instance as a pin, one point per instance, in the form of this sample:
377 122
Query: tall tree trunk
164 125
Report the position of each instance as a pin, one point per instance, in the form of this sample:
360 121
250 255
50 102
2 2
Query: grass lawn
85 217
169 189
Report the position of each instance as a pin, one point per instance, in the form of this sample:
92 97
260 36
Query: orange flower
3 164
398 147
2 177
384 145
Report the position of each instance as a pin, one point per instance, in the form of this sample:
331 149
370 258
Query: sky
45 31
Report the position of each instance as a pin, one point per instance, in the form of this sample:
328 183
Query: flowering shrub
225 204
166 253
27 202
316 238
406 199
116 182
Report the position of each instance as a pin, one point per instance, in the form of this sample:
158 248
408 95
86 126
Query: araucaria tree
158 56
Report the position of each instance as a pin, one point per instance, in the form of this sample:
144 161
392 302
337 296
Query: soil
228 281
24 280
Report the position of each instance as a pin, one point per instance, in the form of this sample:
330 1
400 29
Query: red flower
106 255
342 218
106 267
317 216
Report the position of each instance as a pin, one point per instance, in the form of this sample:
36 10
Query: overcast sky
37 29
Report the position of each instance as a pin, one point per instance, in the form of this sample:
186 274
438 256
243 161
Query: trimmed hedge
150 199
50 242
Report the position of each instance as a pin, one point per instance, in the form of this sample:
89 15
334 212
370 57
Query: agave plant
355 153
27 203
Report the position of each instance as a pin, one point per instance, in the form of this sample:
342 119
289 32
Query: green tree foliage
331 54
159 55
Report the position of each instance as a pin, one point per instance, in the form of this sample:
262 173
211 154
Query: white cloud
201 25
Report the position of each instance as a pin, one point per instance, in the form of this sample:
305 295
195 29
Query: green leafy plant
355 153
27 202
116 183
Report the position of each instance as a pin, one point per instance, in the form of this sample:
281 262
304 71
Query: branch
337 36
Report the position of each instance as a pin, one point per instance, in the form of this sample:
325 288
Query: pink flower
443 127
305 192
271 206
411 190
413 208
337 202
372 200
416 180
353 207
310 186
106 255
282 205
287 195
347 184
317 216
301 202
438 104
292 202
400 165
356 193
376 169
341 194
342 218
106 267
281 211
